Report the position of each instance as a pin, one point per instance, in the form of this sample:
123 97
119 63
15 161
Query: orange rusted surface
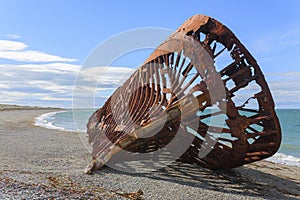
229 84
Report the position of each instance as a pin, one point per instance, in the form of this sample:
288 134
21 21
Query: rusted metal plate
201 73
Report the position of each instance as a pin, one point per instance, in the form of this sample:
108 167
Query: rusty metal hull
171 78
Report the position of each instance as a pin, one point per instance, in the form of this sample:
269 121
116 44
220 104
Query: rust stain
165 84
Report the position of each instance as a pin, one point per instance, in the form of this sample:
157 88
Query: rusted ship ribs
146 113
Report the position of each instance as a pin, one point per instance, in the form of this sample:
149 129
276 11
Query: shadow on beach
242 180
39 163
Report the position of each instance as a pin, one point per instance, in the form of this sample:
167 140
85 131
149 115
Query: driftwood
180 90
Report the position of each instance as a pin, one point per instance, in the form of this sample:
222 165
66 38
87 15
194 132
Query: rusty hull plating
164 84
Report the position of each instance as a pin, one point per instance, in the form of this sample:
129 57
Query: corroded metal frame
163 87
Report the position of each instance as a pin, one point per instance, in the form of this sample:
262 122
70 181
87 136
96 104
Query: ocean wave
47 120
284 159
44 120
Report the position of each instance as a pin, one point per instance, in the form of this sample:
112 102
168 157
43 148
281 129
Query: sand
38 163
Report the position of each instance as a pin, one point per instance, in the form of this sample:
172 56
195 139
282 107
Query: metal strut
168 85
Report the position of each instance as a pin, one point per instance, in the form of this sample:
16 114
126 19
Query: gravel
38 163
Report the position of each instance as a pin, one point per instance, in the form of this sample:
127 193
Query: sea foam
48 121
45 120
284 159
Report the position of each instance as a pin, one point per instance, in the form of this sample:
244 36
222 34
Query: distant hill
7 107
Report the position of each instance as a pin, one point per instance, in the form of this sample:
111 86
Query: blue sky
44 43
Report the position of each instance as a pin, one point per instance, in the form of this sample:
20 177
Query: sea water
68 120
289 151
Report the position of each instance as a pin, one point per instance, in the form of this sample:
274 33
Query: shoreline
41 163
44 121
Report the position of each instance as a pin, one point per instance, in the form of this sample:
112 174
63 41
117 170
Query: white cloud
52 84
49 98
95 84
285 88
100 80
44 84
7 45
48 84
4 86
33 56
13 36
17 51
277 40
60 68
103 74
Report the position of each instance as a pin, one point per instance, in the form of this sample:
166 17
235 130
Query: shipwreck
172 104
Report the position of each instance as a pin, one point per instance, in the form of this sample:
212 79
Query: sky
43 44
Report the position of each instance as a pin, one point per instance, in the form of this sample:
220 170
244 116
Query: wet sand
39 163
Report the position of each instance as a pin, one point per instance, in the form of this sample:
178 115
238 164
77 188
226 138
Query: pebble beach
40 163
